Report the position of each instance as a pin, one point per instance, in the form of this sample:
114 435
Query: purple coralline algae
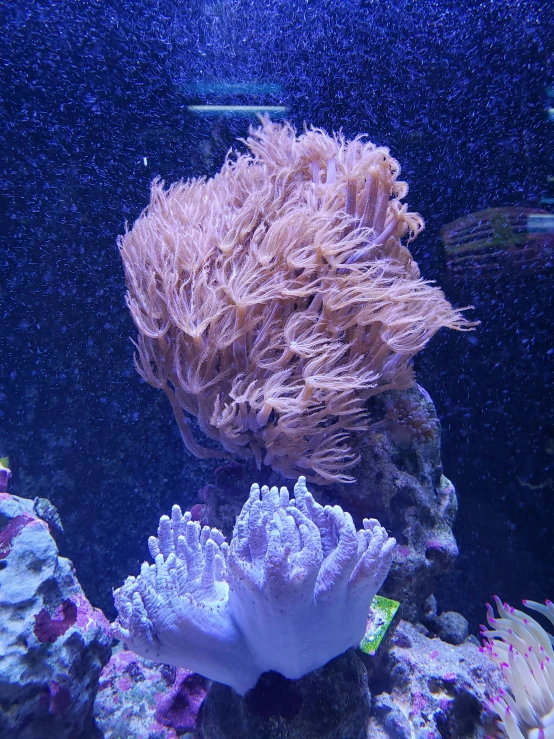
432 689
139 698
53 643
50 628
180 707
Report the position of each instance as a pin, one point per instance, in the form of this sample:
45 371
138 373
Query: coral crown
290 593
275 298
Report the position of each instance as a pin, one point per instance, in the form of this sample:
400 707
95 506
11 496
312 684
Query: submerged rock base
424 687
327 703
53 643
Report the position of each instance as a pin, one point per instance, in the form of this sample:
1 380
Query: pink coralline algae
179 707
88 617
432 686
11 531
48 629
53 643
196 511
419 702
148 699
77 611
444 549
55 698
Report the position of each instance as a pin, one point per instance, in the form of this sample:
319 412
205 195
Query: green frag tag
381 616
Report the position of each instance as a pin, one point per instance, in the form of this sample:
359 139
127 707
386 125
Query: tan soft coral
275 298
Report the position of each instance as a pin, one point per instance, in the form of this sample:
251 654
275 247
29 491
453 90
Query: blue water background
95 100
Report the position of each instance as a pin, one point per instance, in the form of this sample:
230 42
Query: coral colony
291 591
275 298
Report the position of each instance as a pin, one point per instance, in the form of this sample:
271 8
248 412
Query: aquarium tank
276 369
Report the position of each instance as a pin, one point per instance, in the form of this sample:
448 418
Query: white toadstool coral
290 593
